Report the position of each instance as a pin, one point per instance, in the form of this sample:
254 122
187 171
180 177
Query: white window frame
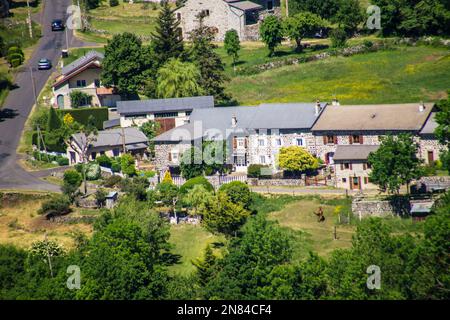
262 159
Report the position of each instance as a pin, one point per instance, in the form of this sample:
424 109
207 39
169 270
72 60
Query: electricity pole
123 140
287 8
30 27
34 86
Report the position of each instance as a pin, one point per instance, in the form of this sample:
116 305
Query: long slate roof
385 117
430 125
91 55
353 152
113 137
218 120
164 105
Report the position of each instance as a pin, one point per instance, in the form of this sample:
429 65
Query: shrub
113 3
112 181
80 99
72 177
56 206
238 193
115 166
93 171
100 197
104 161
338 38
254 170
368 44
166 192
196 181
127 165
82 115
15 63
62 161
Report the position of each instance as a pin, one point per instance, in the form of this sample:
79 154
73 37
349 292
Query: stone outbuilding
223 15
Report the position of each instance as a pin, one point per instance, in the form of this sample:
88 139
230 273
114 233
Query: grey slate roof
285 116
213 121
384 117
353 152
113 138
91 55
430 125
108 124
245 5
164 105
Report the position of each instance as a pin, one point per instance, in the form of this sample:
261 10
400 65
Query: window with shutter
350 139
351 166
170 156
335 139
361 139
234 142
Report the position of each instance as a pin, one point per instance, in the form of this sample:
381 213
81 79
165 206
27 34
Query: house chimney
421 107
335 102
233 121
317 108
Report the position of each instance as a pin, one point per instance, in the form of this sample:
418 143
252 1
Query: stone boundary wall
381 208
276 182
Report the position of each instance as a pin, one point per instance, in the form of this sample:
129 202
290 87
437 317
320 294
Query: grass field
407 74
189 243
311 235
137 18
20 224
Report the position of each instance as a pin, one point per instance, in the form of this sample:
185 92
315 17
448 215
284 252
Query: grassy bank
406 74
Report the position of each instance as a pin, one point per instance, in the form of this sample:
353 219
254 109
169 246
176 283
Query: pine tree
167 41
167 178
209 62
54 122
204 266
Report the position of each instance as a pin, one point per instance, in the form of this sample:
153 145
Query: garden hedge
82 115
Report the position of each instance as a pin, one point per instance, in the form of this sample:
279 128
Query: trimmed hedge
82 115
62 161
196 181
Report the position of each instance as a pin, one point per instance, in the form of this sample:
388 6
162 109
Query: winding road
21 99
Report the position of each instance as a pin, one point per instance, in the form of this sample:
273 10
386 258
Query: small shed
111 199
420 210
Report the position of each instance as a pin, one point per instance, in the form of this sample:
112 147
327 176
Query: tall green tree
324 8
232 45
251 258
124 64
54 121
271 32
349 16
177 79
167 41
443 130
395 163
209 63
302 25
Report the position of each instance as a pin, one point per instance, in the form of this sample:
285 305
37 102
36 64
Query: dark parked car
44 64
57 25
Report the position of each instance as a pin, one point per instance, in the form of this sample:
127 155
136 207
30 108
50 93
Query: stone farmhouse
342 136
83 75
169 113
351 168
223 15
254 135
112 143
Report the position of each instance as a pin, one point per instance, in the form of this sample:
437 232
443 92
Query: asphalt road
20 101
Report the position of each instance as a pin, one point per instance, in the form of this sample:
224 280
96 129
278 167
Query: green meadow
404 74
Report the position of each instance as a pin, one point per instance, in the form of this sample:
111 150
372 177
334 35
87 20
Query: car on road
44 64
57 25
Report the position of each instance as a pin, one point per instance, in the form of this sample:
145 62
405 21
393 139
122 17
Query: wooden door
165 124
430 157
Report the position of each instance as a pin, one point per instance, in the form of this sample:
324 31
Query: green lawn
310 235
137 18
407 74
189 243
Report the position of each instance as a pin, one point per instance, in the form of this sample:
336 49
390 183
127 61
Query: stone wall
380 208
276 182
